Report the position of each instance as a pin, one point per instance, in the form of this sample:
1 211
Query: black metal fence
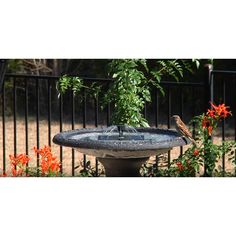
221 89
31 100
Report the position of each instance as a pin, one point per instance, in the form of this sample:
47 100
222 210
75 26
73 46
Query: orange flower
195 152
180 166
214 106
211 113
221 110
20 159
49 163
215 114
207 124
14 172
55 166
18 164
210 129
17 172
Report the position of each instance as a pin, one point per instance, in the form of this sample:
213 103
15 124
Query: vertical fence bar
14 115
235 129
209 95
194 112
168 120
108 108
37 121
26 118
145 110
234 149
84 121
26 121
157 119
96 125
223 126
156 108
108 114
3 128
49 110
208 79
61 120
73 127
181 112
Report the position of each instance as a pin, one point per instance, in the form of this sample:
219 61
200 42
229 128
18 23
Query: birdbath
120 148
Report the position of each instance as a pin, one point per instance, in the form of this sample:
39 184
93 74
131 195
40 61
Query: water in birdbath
121 132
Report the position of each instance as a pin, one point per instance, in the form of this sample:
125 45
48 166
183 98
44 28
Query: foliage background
98 68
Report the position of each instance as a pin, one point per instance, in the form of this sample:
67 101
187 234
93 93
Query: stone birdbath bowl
121 149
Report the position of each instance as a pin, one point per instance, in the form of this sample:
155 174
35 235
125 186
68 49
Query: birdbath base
122 167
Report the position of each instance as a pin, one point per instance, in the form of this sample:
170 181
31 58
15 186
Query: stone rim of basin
66 139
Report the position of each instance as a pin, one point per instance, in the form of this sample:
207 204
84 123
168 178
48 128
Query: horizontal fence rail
32 113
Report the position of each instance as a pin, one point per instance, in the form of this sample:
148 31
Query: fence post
208 79
209 96
3 67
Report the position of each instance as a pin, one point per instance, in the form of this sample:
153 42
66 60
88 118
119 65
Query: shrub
205 154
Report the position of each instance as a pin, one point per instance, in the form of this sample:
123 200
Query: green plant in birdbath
132 80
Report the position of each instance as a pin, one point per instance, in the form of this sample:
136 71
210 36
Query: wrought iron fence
31 100
221 89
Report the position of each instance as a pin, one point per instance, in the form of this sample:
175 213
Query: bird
182 129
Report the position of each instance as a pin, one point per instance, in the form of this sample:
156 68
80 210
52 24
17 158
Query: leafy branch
75 84
131 86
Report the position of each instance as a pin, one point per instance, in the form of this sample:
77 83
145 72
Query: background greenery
96 68
92 67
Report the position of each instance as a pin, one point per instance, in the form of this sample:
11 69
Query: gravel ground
67 152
